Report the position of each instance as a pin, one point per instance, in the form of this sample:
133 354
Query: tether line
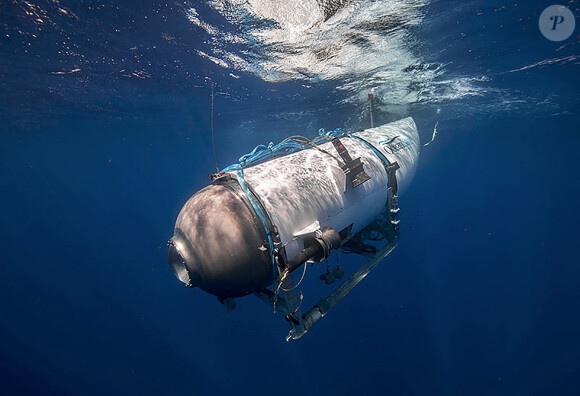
212 138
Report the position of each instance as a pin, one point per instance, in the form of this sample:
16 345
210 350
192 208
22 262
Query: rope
289 145
212 138
285 273
300 281
278 287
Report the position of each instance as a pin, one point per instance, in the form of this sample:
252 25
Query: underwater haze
105 132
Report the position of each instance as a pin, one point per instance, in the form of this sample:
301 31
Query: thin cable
212 139
277 290
299 303
314 145
291 240
299 282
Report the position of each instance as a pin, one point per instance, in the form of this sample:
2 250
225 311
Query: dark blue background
481 297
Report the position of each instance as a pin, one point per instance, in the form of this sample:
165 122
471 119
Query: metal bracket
353 169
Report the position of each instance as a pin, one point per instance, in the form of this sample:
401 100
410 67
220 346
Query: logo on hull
395 144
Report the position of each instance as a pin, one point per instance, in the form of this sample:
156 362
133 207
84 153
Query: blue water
104 134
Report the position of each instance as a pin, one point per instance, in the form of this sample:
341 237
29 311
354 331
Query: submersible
282 206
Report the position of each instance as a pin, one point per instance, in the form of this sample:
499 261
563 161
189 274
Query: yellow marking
434 134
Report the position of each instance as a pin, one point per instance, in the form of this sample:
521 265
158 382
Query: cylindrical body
223 244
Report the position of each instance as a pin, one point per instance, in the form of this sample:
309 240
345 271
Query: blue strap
260 213
382 157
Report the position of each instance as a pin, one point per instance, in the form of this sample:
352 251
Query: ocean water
105 112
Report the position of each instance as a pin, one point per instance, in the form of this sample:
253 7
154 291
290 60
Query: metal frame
289 305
